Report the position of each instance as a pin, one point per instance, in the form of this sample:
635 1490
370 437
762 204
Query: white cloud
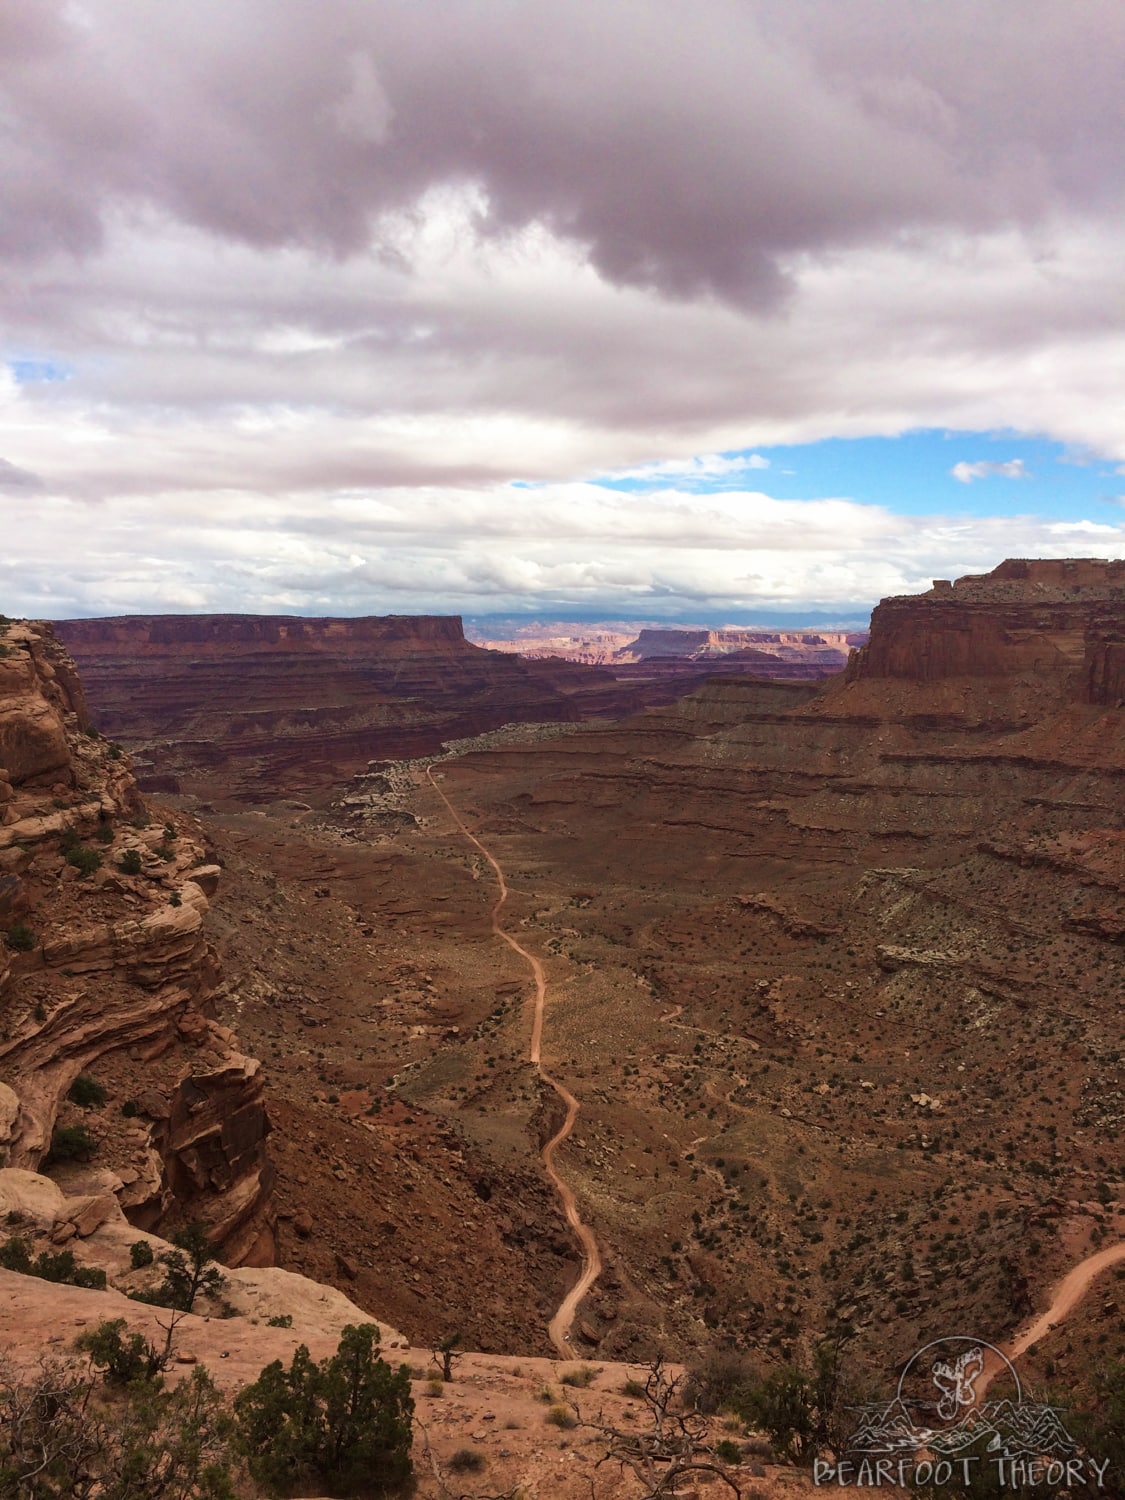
966 472
703 467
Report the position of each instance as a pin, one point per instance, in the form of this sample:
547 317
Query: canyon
252 707
832 969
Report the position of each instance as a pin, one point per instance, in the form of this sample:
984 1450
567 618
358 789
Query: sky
737 310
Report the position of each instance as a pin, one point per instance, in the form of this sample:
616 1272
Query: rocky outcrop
1058 620
107 976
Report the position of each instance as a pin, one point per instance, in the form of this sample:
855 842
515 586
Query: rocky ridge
107 975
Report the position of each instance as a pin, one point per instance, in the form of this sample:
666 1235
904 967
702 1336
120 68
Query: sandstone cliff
106 974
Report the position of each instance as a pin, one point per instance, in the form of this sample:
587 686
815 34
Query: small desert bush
582 1377
20 938
633 1388
84 859
71 1143
140 1254
467 1461
130 862
562 1417
86 1091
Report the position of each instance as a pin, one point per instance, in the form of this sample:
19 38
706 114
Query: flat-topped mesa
227 633
828 648
1046 618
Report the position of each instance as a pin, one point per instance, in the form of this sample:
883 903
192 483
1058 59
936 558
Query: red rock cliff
106 970
1050 619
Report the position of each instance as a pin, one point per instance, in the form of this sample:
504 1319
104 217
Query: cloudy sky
731 310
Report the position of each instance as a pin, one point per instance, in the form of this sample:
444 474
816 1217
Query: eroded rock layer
115 1072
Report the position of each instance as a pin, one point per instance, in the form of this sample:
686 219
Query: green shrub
140 1254
115 752
86 1091
582 1377
65 1270
562 1417
104 833
343 1425
60 1443
467 1461
727 1452
130 1109
123 1357
189 1271
130 862
71 1143
84 859
280 1320
20 938
15 1255
165 852
633 1388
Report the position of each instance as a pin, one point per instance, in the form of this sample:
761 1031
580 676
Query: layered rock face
261 704
106 971
807 653
1026 617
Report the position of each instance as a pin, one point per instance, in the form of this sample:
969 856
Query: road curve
1067 1295
560 1325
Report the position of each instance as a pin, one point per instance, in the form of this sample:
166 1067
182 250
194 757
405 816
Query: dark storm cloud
692 149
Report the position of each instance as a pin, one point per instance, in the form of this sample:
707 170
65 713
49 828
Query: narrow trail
1067 1295
558 1329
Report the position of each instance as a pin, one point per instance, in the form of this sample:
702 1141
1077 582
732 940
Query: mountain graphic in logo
936 1409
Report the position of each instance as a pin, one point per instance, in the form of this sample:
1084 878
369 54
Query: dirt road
560 1325
1067 1295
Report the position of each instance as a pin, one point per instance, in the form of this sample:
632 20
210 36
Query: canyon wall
106 973
256 705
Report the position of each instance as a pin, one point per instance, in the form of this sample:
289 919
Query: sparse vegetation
561 1416
84 859
59 1442
189 1270
20 938
86 1092
60 1266
130 862
141 1254
71 1143
467 1461
340 1427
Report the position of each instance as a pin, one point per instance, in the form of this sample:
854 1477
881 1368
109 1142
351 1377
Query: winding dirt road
1067 1295
560 1325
